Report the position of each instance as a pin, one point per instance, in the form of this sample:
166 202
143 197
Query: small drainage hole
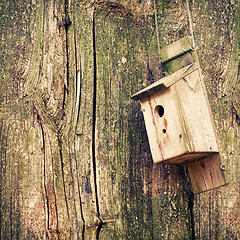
164 130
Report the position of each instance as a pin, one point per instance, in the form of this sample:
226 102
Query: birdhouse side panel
196 114
164 128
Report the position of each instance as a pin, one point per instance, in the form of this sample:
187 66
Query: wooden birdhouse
178 118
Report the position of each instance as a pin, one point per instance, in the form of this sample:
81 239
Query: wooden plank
195 114
33 41
176 49
120 150
82 76
220 208
206 173
187 157
184 60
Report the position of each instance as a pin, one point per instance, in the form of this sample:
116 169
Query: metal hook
223 167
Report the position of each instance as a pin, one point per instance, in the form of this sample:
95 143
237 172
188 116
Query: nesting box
178 119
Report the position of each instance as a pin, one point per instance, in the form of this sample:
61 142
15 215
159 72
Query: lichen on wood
54 90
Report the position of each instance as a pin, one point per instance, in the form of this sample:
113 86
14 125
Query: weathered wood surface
176 49
74 150
206 173
216 28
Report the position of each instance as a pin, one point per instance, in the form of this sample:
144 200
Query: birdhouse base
206 173
188 157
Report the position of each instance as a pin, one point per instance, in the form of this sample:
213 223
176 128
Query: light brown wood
206 173
195 114
163 132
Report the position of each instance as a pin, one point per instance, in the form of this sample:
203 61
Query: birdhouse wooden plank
206 173
178 55
176 49
179 122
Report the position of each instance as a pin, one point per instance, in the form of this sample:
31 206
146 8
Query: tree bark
75 159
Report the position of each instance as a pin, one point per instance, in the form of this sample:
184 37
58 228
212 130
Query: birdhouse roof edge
164 82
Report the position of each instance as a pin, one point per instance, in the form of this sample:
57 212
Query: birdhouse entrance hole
160 110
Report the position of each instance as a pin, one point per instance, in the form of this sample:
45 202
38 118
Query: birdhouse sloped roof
165 82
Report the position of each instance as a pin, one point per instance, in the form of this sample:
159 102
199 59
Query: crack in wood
45 194
191 214
94 116
62 171
54 192
78 187
78 107
3 171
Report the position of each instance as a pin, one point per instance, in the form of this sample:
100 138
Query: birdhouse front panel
163 124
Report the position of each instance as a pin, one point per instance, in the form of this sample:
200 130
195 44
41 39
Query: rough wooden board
215 36
119 151
81 70
176 49
216 213
36 197
66 157
195 114
206 173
